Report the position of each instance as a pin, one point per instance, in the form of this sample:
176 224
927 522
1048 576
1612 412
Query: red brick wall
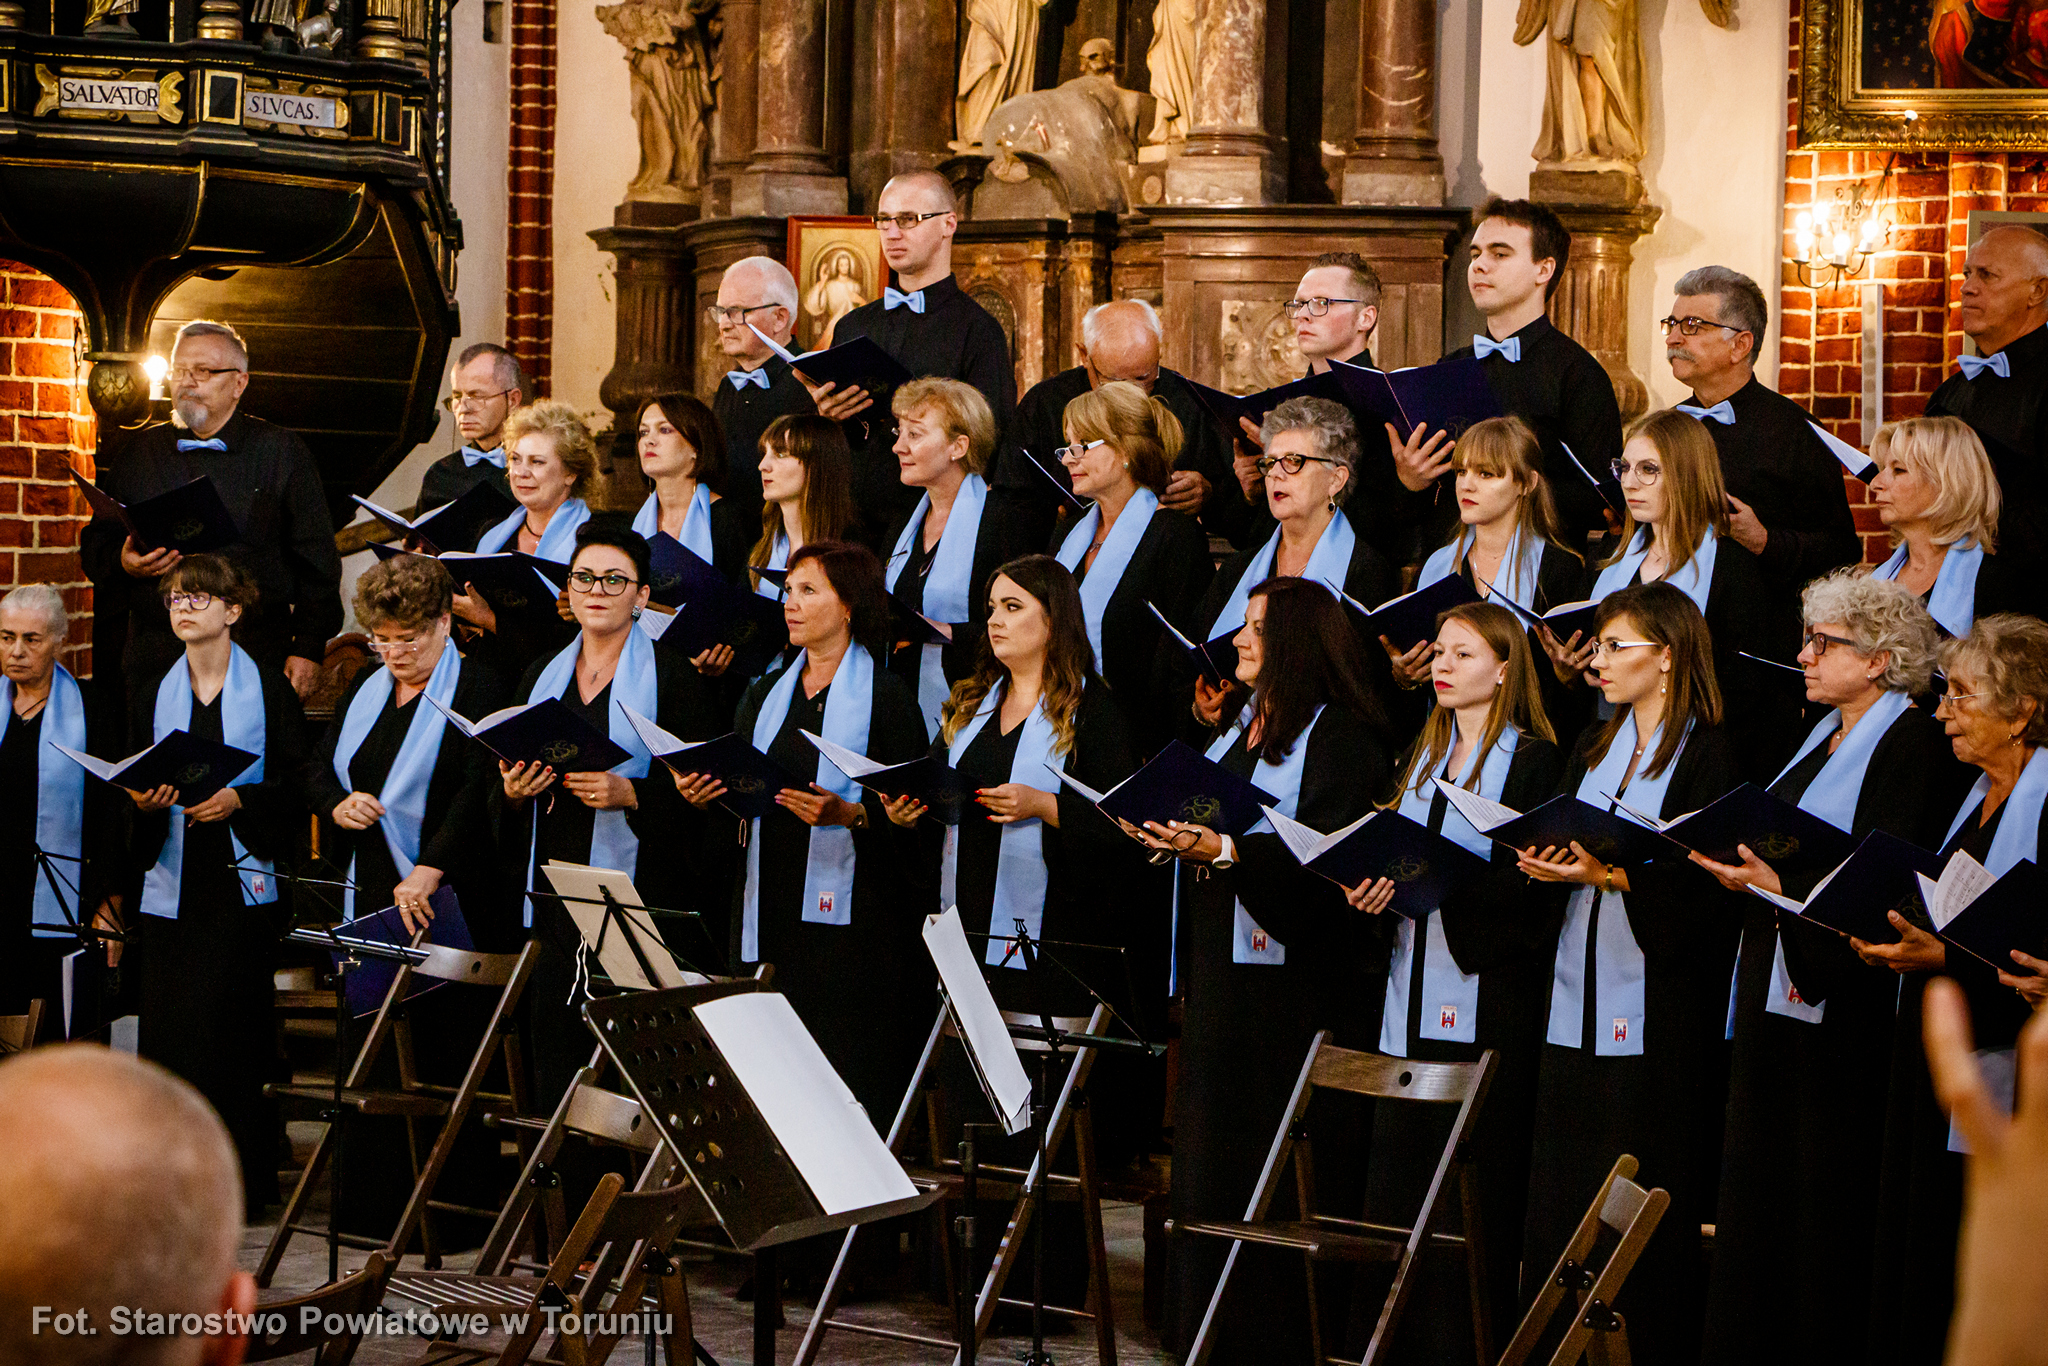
46 430
530 232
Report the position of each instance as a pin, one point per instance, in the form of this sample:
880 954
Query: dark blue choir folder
928 778
2012 913
1217 659
1609 489
1798 844
1181 785
1882 875
370 979
1424 866
857 363
454 525
1450 395
751 778
1606 835
710 610
912 629
677 573
1062 483
544 732
512 582
1410 619
778 577
1226 409
197 768
190 519
1563 619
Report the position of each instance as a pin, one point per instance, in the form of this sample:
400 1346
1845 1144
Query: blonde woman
1939 498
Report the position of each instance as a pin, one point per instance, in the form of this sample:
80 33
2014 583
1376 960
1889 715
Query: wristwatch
1228 858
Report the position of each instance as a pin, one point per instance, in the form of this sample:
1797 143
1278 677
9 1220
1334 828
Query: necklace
532 530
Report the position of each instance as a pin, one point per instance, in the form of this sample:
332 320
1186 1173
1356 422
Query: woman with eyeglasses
1676 532
1996 714
1309 465
1128 554
203 877
1267 952
948 547
1812 1025
1639 981
806 492
1938 496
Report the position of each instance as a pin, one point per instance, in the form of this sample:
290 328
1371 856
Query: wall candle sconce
1835 240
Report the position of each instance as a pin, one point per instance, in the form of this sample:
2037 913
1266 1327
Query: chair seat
364 1100
462 1291
1317 1240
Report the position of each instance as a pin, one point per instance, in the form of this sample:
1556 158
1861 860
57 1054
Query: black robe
998 539
1246 1030
863 988
743 415
2007 414
1772 460
451 476
206 976
1039 427
1662 1105
1806 1101
954 338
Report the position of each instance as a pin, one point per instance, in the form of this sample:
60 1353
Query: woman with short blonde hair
550 464
1938 496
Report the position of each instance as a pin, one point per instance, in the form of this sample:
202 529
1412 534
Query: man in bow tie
1787 504
484 385
271 489
930 325
760 387
2004 306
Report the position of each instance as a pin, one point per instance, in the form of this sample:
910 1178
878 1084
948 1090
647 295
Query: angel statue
1593 109
669 51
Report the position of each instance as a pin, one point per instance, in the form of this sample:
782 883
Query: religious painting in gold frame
1930 74
838 267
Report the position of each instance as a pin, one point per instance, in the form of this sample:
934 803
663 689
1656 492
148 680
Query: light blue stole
634 684
1110 562
557 542
1695 579
1021 874
241 724
946 587
1619 973
1249 943
1450 995
778 558
1327 565
60 800
696 535
1519 567
2019 827
404 793
1953 601
829 866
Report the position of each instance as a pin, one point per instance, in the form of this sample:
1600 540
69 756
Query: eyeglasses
1818 642
904 222
192 602
1316 307
723 316
1646 473
611 585
1293 464
1076 451
1692 327
455 403
1603 648
398 647
200 374
1179 842
1950 699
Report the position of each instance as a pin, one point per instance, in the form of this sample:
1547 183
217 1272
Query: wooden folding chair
18 1032
1069 1113
1327 1238
1597 1332
284 1331
413 1100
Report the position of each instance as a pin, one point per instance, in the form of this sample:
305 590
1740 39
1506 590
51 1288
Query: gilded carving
167 86
1835 112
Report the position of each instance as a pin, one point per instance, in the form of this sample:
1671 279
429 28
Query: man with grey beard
267 480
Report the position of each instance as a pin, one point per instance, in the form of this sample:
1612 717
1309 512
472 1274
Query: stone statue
1593 109
1066 150
1171 59
996 62
836 293
669 52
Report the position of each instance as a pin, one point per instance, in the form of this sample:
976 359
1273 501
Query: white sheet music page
808 1108
1482 812
1963 880
988 1038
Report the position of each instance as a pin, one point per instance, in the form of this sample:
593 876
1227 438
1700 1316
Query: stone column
1591 305
655 316
790 172
738 95
910 120
1394 157
1229 157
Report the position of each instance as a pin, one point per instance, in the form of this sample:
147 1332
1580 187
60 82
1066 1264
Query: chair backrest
1631 1212
461 965
1385 1078
598 1113
18 1032
278 1330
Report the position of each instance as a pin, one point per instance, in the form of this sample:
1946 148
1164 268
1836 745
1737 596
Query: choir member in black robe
271 489
1939 498
1639 990
929 324
1474 973
2003 304
1121 341
1996 711
761 291
954 536
833 893
806 473
1812 1024
485 386
682 454
1268 954
207 934
1788 504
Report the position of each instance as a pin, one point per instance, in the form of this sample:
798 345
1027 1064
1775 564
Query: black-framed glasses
904 222
1077 450
1692 327
1818 642
611 585
1646 472
1177 842
199 374
1293 464
456 402
1316 307
189 602
722 315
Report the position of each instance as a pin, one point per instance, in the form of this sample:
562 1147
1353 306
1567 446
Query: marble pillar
1394 157
653 325
738 96
905 125
1230 157
1591 305
791 172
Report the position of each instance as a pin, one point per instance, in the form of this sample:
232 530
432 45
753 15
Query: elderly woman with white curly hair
1811 1023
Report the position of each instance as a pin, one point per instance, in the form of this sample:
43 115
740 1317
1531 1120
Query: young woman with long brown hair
806 492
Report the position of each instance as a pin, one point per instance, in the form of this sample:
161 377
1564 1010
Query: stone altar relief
1069 150
670 50
997 60
1258 348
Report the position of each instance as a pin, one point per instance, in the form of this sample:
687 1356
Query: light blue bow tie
212 443
893 297
1722 412
1484 346
742 378
1974 366
472 456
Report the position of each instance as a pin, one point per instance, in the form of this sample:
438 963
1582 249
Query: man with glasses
1786 501
2003 301
270 486
484 386
761 291
930 325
